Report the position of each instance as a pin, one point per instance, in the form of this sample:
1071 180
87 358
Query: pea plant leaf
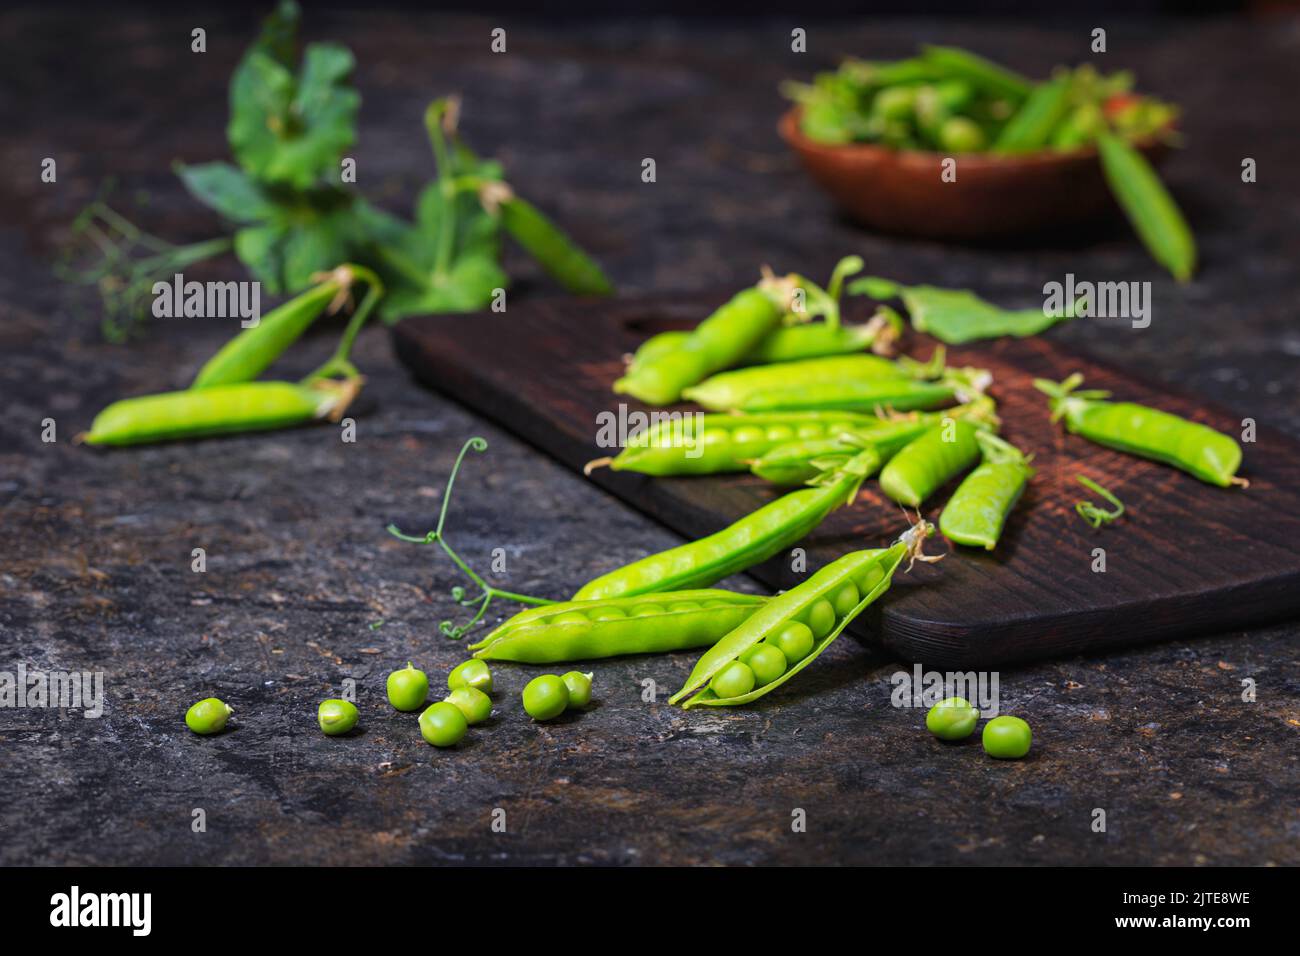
227 190
287 129
956 316
448 261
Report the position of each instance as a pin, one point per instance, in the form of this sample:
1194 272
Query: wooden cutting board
1186 558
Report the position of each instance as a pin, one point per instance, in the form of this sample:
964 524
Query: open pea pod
868 573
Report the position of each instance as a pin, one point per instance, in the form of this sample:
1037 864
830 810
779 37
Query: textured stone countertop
95 563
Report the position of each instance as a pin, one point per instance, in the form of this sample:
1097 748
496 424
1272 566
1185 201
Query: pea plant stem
436 536
435 116
340 362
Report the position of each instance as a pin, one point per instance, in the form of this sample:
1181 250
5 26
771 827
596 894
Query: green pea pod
719 341
796 462
251 352
957 316
978 509
924 466
219 410
655 347
554 251
754 538
1031 127
793 343
862 576
1152 211
1197 449
735 389
643 624
953 63
861 395
712 444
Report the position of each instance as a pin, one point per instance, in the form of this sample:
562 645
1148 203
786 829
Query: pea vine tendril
459 594
1092 514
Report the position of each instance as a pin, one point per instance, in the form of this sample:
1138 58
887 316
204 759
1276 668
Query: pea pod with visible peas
1197 449
720 443
642 624
821 607
220 410
978 509
924 466
754 538
797 462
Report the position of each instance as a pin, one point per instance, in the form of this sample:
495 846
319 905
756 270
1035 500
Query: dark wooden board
1187 558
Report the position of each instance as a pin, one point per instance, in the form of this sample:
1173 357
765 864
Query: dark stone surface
95 566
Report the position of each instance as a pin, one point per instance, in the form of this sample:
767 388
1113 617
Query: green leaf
228 191
293 130
468 286
279 38
956 316
258 248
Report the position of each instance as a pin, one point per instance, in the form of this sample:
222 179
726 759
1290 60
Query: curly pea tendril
458 593
1092 514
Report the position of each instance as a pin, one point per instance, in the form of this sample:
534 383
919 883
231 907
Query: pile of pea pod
953 101
822 425
950 101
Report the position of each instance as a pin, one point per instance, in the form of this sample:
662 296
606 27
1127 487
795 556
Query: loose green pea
473 673
844 600
767 662
733 680
953 718
407 688
336 716
546 697
821 618
473 703
579 685
208 716
443 724
1007 738
961 135
795 641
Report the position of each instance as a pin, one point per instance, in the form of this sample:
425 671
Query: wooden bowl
901 192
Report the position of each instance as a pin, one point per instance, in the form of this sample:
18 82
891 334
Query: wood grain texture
1187 557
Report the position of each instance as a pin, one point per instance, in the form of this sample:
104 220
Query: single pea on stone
953 718
767 662
336 716
473 703
208 716
579 685
795 641
546 697
473 673
444 724
408 688
1007 738
733 680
